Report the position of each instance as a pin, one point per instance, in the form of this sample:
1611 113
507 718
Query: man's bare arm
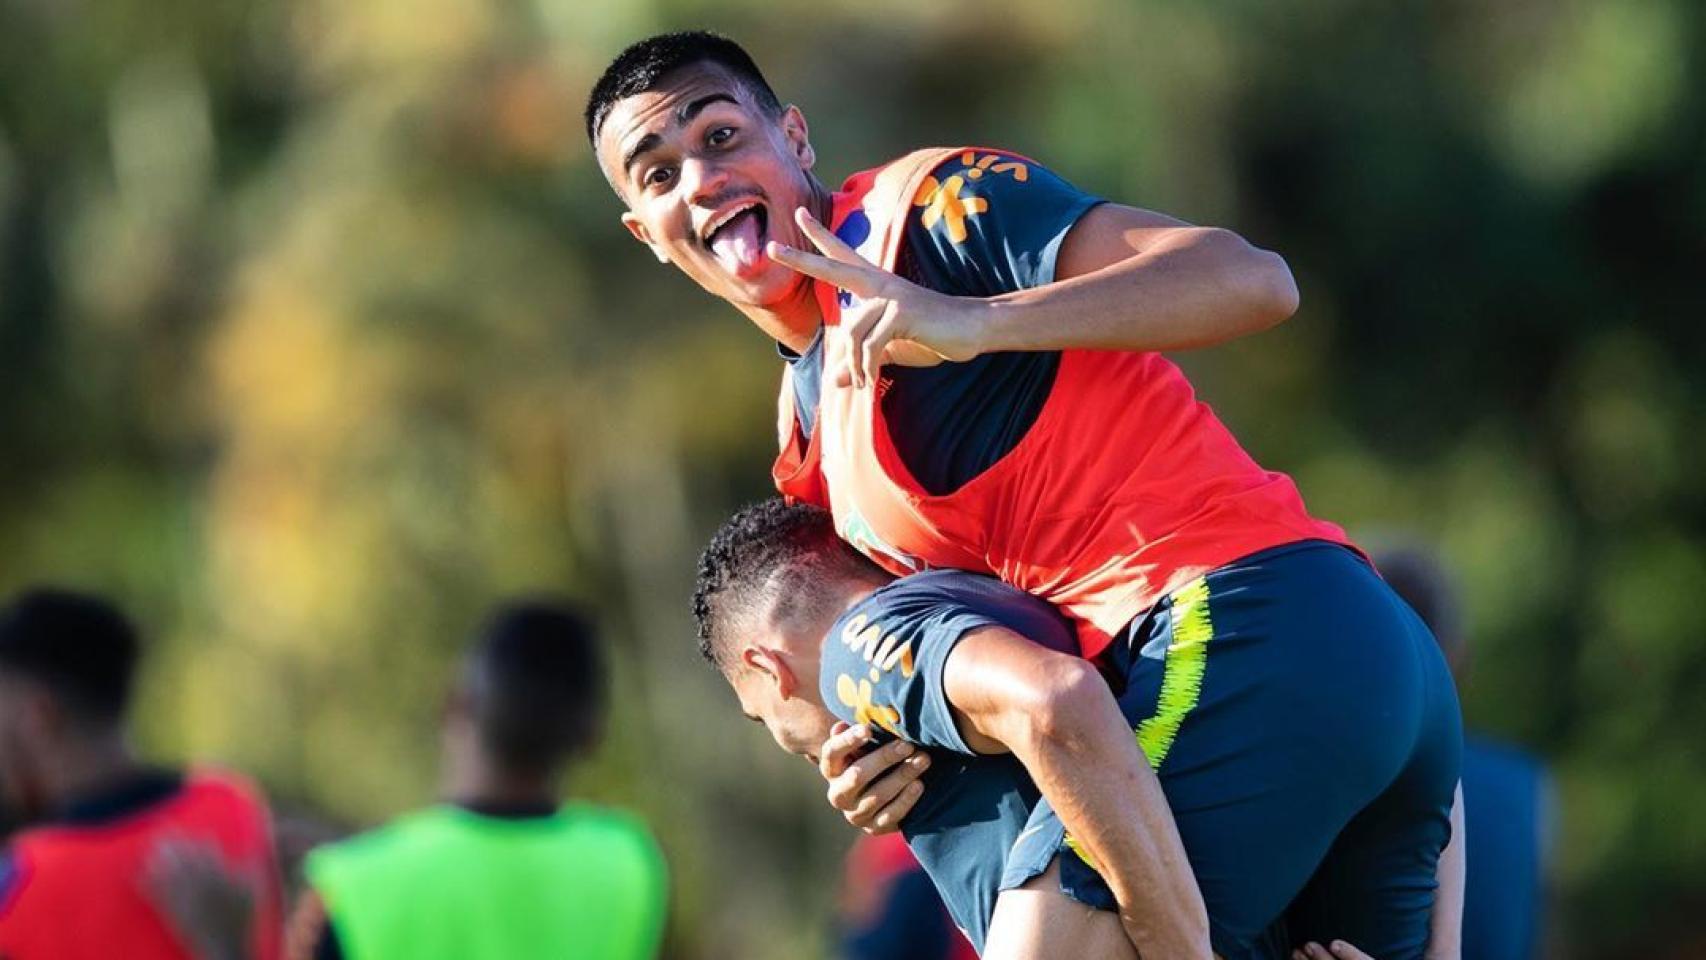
1055 713
1445 926
1130 279
1125 279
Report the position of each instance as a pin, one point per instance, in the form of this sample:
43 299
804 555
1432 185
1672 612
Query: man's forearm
1195 287
1086 761
1445 928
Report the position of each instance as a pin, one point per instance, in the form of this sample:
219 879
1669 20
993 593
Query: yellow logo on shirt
857 695
942 201
882 653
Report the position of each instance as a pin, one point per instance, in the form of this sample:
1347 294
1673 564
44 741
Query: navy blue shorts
1306 732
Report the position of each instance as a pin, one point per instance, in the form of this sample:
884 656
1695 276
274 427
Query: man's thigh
1036 921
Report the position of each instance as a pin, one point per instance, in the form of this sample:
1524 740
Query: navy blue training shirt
882 664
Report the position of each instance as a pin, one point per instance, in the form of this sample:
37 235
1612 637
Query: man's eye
720 136
659 176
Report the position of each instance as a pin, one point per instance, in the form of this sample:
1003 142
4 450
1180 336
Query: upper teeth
723 220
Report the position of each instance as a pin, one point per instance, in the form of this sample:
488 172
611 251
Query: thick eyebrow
687 113
642 145
682 117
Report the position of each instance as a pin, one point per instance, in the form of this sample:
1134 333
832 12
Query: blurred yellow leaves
339 39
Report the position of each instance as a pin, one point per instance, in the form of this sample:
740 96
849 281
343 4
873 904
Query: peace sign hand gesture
896 321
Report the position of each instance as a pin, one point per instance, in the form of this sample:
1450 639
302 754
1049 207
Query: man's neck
90 767
795 320
851 592
481 784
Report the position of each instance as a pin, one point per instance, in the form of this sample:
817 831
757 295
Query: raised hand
895 320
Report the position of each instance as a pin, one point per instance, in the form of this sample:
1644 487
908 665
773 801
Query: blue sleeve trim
1049 260
947 636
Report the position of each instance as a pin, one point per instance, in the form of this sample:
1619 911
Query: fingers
835 263
871 320
825 239
846 787
849 277
876 791
844 744
888 818
1337 950
889 798
871 346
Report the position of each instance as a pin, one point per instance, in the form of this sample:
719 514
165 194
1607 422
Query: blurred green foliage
318 333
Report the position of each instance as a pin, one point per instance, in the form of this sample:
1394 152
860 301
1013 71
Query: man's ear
638 231
773 666
799 137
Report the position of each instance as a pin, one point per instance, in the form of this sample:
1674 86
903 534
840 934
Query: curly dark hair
773 555
645 64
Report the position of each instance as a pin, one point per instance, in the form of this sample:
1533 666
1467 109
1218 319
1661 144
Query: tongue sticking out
739 247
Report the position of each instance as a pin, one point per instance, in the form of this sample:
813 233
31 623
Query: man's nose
702 178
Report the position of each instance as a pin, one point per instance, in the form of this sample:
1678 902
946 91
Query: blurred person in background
501 868
974 379
78 882
890 909
1507 792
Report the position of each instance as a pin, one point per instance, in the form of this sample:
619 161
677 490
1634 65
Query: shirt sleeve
884 660
988 222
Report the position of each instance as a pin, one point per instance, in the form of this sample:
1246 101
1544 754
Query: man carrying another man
975 382
807 631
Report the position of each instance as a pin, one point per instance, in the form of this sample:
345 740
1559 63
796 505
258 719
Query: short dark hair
538 683
645 64
1418 576
77 645
774 554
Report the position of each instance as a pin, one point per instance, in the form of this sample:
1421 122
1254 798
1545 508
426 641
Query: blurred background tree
318 333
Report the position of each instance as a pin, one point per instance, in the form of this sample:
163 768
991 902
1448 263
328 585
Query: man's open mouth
737 237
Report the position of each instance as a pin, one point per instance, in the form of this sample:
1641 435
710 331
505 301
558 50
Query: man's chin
772 287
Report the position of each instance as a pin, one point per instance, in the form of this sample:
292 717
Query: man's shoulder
379 843
947 592
947 159
916 595
931 158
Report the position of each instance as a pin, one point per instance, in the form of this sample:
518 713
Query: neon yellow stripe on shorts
1181 682
1181 679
